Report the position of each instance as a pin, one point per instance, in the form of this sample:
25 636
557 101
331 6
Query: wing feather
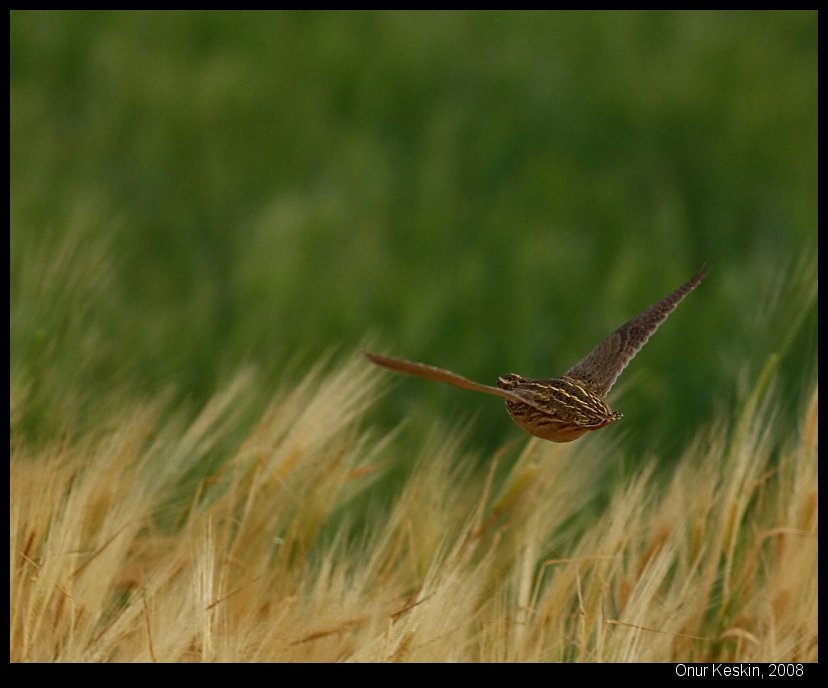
601 367
430 372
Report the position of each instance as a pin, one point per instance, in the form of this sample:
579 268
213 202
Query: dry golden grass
282 556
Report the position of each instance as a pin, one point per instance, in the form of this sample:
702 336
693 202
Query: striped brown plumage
562 409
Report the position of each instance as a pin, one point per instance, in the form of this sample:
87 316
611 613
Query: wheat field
283 553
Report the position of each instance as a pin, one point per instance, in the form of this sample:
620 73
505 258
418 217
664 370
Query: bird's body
567 410
562 409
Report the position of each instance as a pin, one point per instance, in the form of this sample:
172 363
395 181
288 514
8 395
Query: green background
492 192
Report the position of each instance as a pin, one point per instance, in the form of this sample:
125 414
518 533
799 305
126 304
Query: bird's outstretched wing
601 367
430 372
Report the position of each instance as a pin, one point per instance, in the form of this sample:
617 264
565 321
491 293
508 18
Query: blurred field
211 213
491 192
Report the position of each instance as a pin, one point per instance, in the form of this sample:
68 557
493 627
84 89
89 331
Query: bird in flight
562 409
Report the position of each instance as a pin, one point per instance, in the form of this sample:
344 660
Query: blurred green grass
193 193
